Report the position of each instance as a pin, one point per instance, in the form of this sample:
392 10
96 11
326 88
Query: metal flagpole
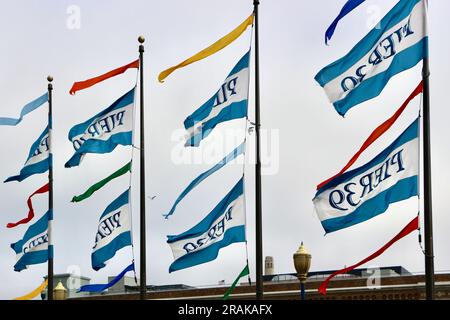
258 204
143 256
50 191
428 214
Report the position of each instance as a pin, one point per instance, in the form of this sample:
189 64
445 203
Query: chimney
269 267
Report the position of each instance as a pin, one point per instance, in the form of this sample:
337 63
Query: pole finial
49 78
141 39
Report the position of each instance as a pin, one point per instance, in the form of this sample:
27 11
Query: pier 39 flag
34 247
105 131
398 44
363 193
224 225
114 231
38 160
229 103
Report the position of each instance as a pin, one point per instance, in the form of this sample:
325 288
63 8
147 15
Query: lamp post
302 263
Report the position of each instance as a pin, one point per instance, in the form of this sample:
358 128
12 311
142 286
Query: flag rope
418 179
244 166
130 180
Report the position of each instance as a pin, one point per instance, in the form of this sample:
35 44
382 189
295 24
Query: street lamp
302 263
60 292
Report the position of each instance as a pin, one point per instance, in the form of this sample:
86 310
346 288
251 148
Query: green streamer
126 168
243 273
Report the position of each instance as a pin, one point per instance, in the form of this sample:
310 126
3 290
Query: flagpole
50 191
143 256
258 192
428 214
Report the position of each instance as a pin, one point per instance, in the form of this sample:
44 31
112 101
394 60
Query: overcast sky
305 141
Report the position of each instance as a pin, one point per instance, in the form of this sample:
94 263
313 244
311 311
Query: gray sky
309 140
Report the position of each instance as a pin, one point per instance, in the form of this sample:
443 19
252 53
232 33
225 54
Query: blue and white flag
39 158
230 157
349 6
397 45
363 193
34 248
229 103
105 131
224 225
114 231
33 105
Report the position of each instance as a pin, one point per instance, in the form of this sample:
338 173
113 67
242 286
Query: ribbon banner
215 47
33 294
89 192
77 86
349 6
244 272
33 105
103 287
412 226
378 132
230 157
30 216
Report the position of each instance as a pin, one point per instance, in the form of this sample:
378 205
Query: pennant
378 132
34 248
244 272
229 103
30 107
363 193
33 294
39 159
89 192
77 86
230 157
102 287
397 45
224 225
30 216
105 131
410 227
114 231
215 47
349 6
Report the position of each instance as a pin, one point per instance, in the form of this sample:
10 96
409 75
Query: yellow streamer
33 294
215 47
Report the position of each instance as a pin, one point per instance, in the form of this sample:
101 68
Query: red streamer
77 86
413 225
30 216
378 132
